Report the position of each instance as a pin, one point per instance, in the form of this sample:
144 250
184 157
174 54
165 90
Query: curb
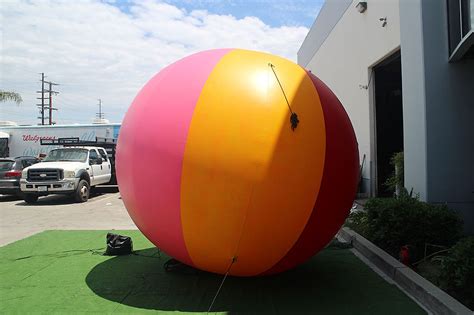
430 296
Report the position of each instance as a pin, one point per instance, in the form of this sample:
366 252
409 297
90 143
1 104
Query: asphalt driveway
103 211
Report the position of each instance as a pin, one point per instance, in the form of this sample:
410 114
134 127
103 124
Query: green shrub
457 271
396 180
395 222
358 221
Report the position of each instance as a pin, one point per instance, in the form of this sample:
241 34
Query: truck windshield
76 155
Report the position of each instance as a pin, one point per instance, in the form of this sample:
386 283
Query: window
461 28
27 163
76 155
103 154
93 155
6 165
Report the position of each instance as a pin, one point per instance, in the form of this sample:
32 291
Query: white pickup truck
70 170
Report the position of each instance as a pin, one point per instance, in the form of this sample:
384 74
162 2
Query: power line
73 101
87 99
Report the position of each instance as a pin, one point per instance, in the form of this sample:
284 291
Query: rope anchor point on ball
294 117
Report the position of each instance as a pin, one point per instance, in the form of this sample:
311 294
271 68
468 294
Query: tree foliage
6 96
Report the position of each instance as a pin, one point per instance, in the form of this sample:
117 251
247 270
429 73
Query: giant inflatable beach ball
237 161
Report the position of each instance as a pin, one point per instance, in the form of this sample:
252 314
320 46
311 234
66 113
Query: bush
457 272
358 221
395 222
396 180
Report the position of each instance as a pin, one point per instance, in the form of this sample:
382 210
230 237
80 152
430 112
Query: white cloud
94 50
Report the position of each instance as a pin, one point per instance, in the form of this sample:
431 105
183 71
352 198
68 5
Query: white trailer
26 140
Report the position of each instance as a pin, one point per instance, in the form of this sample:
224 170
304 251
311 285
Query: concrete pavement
104 211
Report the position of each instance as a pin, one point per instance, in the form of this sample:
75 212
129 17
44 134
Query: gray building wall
438 110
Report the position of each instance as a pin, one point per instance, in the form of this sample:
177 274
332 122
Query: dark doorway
388 118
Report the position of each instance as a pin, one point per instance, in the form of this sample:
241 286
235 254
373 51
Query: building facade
404 70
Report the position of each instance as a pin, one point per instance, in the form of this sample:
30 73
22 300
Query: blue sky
273 13
109 49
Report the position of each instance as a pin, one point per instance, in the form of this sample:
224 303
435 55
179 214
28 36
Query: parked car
10 173
69 171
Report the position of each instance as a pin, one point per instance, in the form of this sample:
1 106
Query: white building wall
344 60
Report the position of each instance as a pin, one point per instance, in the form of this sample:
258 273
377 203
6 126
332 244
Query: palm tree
10 96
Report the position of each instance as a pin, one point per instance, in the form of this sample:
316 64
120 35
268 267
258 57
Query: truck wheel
29 198
82 191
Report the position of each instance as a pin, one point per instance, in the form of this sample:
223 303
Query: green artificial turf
64 272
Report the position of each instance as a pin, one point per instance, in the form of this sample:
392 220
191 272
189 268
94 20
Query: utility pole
41 106
49 105
100 114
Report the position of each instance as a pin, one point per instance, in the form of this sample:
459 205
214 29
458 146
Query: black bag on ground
118 245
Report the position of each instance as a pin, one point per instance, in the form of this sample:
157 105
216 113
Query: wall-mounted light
361 6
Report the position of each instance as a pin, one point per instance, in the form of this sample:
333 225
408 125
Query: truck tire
30 198
82 191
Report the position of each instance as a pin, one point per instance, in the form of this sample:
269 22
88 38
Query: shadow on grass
323 285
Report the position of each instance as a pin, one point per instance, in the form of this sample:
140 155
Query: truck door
106 169
94 167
